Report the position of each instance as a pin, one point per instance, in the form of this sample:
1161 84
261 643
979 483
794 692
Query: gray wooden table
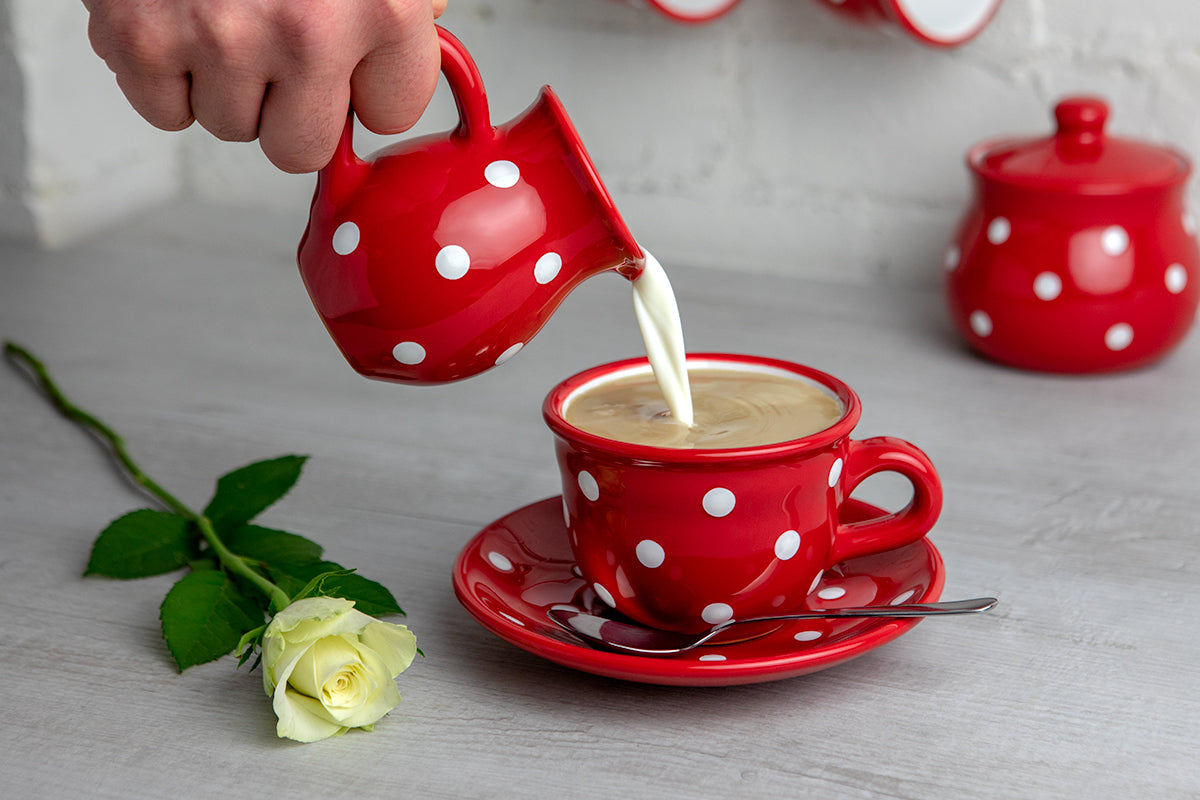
1074 500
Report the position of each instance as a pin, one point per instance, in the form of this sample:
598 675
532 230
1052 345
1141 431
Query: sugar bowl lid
1079 157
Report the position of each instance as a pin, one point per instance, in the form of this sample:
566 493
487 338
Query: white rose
329 668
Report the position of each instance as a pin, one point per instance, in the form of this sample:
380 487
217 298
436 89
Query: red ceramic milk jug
441 256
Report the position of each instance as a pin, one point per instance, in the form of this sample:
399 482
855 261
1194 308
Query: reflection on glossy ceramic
940 23
519 566
441 256
1077 253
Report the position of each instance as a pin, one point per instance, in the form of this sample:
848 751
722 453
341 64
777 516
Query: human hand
282 71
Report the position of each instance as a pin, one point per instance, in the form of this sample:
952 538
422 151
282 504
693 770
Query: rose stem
230 560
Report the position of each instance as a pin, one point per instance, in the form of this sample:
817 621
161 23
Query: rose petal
376 704
298 625
395 644
322 660
302 718
326 620
308 610
347 690
375 708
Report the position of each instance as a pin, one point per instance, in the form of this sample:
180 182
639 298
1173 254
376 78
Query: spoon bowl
630 637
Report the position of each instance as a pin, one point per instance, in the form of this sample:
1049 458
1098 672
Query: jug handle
466 85
345 172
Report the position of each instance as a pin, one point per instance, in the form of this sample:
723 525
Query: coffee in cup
731 408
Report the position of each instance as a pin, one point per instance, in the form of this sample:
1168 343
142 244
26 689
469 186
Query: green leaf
369 597
271 546
333 580
248 645
143 543
246 492
204 616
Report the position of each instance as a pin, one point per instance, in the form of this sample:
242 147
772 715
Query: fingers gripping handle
887 454
345 171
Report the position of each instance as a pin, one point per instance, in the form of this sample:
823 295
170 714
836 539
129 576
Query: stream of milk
662 331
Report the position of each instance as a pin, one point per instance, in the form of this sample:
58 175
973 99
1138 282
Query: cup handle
888 454
346 171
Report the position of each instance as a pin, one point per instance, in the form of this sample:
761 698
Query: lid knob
1081 118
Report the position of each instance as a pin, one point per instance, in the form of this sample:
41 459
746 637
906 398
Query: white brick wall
782 138
74 156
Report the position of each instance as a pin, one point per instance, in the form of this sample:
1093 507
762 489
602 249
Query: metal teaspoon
633 638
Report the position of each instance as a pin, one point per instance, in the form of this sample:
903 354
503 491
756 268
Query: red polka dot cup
441 256
1077 253
688 11
937 23
683 539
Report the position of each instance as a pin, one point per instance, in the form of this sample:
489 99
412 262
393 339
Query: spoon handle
900 610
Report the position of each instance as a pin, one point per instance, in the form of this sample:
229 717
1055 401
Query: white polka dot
712 657
1114 241
605 595
547 267
452 262
787 545
1189 223
1047 286
500 561
716 613
346 238
718 502
408 353
1176 278
588 485
650 553
835 473
1119 336
816 581
903 598
509 353
831 593
999 230
502 174
807 636
952 257
981 323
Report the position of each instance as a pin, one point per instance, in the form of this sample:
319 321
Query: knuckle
230 39
142 48
305 33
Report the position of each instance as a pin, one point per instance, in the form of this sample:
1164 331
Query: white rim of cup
947 22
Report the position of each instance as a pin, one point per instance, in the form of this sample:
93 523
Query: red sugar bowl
1077 253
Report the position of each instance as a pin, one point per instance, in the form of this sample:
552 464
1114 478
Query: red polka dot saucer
519 566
